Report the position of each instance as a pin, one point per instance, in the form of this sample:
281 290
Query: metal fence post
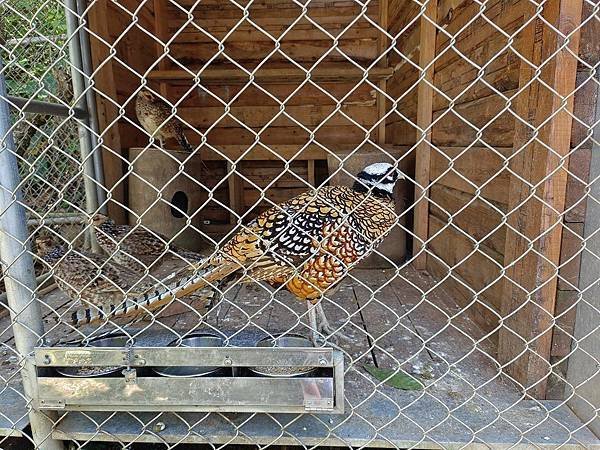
19 274
87 68
79 93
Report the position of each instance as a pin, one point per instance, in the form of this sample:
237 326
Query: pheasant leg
326 328
322 327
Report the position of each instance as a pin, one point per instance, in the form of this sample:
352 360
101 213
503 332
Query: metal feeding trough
114 340
204 340
288 375
283 341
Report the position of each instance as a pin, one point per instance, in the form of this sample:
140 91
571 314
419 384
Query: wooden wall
471 191
250 47
460 162
403 17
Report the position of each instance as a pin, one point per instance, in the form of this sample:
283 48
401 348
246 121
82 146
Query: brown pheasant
135 247
156 116
106 289
88 277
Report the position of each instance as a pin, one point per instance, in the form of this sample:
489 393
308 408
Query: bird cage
442 149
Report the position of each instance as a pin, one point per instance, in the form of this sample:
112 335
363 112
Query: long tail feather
184 143
206 277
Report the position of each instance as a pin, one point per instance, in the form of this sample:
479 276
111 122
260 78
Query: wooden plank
527 270
258 116
161 31
476 272
236 200
478 165
477 219
330 136
107 113
570 256
427 40
452 130
363 50
382 45
257 152
311 172
191 35
565 314
362 95
282 75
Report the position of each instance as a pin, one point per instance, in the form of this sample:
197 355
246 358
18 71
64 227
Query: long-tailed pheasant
156 117
308 244
89 277
136 247
106 289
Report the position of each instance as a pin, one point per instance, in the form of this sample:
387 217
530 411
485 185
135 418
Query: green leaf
398 380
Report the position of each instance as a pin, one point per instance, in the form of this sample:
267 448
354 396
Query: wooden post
105 83
382 44
427 39
311 173
161 31
531 275
236 193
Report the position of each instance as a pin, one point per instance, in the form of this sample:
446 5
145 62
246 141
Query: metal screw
323 361
141 362
47 359
158 427
228 361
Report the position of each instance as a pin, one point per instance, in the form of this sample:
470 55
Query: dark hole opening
179 204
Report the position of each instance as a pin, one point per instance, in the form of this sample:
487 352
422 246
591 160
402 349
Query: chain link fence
405 191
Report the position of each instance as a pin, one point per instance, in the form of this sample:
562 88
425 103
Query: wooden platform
406 323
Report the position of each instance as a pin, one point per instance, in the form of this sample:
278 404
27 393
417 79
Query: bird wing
289 234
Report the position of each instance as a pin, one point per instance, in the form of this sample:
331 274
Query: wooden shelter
489 133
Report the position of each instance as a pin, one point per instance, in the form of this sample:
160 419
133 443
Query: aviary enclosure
140 139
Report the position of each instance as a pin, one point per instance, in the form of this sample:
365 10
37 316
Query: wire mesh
472 318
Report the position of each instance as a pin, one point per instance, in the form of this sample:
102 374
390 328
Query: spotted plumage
156 117
88 277
135 247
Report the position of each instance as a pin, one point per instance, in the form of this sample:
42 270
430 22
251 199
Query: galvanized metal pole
19 275
86 60
85 143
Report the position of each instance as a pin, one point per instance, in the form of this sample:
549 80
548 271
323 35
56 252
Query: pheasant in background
135 247
157 118
89 277
105 288
309 243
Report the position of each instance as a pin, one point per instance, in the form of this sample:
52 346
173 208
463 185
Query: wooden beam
161 31
258 153
428 33
275 75
104 82
236 194
382 44
529 291
262 152
311 173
